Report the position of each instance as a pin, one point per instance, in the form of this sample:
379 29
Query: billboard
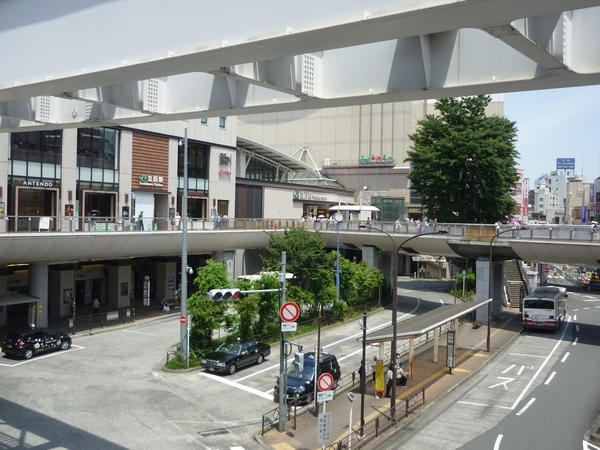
565 163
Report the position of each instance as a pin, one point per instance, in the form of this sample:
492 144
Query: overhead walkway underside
79 246
152 62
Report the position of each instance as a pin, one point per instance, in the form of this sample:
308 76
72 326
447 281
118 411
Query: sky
556 123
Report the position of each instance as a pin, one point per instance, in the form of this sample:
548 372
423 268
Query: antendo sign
38 183
565 163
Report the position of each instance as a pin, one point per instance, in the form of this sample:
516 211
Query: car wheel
232 369
28 353
64 345
260 359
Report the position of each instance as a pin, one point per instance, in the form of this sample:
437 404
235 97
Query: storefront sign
151 180
38 183
224 159
306 195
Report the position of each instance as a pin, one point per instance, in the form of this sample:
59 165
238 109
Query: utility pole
282 356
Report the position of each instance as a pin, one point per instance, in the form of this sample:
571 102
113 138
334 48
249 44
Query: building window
97 147
222 122
197 162
43 146
204 121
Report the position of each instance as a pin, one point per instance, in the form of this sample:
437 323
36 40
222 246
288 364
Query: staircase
516 281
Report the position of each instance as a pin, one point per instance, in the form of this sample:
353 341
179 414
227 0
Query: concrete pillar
60 293
166 279
229 259
118 287
371 256
482 287
407 261
38 287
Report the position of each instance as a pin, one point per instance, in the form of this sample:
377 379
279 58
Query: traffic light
221 295
299 362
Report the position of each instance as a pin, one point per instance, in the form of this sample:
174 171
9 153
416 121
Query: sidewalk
471 355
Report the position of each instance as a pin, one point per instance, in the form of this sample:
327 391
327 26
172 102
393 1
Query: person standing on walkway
141 221
96 306
368 224
176 221
374 367
389 380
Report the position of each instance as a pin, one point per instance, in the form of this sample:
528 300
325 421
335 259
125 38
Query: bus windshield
538 303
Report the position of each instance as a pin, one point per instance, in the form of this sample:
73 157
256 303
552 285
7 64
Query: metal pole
363 380
183 333
337 261
282 356
490 287
350 427
317 361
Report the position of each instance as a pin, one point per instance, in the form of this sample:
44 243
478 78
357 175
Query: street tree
464 162
206 314
306 258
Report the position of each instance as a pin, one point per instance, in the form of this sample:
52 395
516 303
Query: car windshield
306 374
230 347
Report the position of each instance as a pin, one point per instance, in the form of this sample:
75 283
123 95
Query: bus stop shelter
417 326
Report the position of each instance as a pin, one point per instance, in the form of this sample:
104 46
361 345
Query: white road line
237 385
48 355
497 443
483 405
550 378
514 405
565 357
139 332
575 341
528 356
521 370
587 307
506 370
524 408
593 300
574 317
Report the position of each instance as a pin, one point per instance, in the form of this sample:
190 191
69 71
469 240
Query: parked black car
301 385
230 356
25 344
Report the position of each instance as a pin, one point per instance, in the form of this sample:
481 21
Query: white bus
546 307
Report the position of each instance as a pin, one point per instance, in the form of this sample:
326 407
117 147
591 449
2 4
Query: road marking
527 356
47 355
574 317
521 370
237 385
550 378
482 404
541 367
139 332
587 307
593 300
565 357
575 341
506 370
503 383
575 310
577 328
497 443
588 446
458 369
526 406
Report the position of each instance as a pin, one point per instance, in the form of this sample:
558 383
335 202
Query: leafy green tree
463 162
206 314
307 259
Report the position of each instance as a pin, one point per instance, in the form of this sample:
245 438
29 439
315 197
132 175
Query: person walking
374 367
368 224
389 380
594 230
397 225
176 221
141 221
96 304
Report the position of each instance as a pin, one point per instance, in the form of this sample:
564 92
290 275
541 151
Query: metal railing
71 224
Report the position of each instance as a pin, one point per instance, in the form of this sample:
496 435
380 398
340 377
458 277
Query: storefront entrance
32 205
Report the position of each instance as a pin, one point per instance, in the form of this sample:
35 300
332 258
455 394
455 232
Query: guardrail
480 232
100 320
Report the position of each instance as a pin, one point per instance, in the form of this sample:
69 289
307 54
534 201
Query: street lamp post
491 284
183 328
338 220
395 302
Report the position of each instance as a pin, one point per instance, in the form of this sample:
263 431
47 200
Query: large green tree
463 162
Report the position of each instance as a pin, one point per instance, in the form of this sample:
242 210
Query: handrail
99 224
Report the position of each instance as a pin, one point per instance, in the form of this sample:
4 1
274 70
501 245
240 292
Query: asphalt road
541 392
109 391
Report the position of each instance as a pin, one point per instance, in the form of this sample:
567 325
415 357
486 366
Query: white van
546 307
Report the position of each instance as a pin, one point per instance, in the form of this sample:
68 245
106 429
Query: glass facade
98 159
261 170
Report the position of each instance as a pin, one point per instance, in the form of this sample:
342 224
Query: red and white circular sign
547 270
289 312
325 382
182 319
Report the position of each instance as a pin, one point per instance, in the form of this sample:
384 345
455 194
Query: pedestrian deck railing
472 232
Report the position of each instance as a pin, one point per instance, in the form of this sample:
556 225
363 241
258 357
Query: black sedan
25 344
230 356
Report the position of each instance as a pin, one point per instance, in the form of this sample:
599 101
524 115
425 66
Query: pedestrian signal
299 362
